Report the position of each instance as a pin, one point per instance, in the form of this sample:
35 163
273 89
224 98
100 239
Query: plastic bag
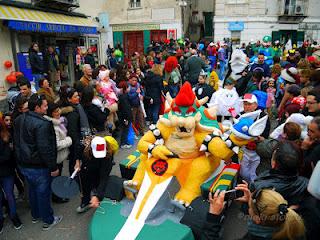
130 138
313 186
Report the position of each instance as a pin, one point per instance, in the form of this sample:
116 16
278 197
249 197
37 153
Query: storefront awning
38 21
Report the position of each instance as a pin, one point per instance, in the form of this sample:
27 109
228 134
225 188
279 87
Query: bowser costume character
187 144
188 138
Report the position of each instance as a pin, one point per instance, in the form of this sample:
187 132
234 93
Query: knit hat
185 96
289 74
299 101
104 74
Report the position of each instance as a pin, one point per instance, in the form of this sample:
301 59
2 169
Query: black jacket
47 58
89 59
96 117
310 159
153 85
35 142
74 132
124 108
36 62
292 187
309 210
7 163
212 230
193 67
98 169
206 91
241 84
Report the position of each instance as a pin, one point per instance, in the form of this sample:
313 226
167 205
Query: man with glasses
313 103
311 146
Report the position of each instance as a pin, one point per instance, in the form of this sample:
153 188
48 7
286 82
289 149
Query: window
237 1
135 3
235 37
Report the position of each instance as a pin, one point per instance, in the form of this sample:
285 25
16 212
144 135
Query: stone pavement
74 226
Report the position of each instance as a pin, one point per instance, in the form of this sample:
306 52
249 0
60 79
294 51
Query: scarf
84 123
264 232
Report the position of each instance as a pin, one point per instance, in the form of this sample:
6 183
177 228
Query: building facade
199 16
135 23
245 20
50 23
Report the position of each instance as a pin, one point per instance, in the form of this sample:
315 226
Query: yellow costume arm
219 148
145 141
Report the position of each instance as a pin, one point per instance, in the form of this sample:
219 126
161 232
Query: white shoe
126 146
56 220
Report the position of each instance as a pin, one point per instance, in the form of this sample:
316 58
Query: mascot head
184 114
238 63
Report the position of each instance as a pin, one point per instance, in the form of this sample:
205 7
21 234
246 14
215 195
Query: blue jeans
222 68
173 90
6 183
154 112
36 78
39 181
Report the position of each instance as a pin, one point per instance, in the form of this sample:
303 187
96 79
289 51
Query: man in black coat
193 67
36 62
36 149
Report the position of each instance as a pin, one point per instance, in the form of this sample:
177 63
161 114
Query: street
74 226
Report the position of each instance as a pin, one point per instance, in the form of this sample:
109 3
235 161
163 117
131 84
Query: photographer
269 216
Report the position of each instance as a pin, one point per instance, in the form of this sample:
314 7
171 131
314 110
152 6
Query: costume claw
203 148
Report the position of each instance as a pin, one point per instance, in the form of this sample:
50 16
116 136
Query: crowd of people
48 125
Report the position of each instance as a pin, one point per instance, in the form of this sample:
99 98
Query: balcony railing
64 5
292 11
135 4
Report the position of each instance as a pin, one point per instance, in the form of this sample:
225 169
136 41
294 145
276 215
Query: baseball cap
99 147
251 98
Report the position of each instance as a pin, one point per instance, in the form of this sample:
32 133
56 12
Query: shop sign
172 34
135 27
236 26
49 27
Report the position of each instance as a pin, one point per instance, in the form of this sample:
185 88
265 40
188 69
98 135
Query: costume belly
183 147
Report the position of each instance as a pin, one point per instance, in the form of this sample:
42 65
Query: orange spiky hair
171 63
186 96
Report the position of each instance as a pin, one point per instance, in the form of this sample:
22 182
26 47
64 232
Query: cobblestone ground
75 226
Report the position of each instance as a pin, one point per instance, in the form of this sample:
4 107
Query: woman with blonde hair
270 217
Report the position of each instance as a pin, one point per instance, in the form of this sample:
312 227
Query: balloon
11 78
267 39
7 64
